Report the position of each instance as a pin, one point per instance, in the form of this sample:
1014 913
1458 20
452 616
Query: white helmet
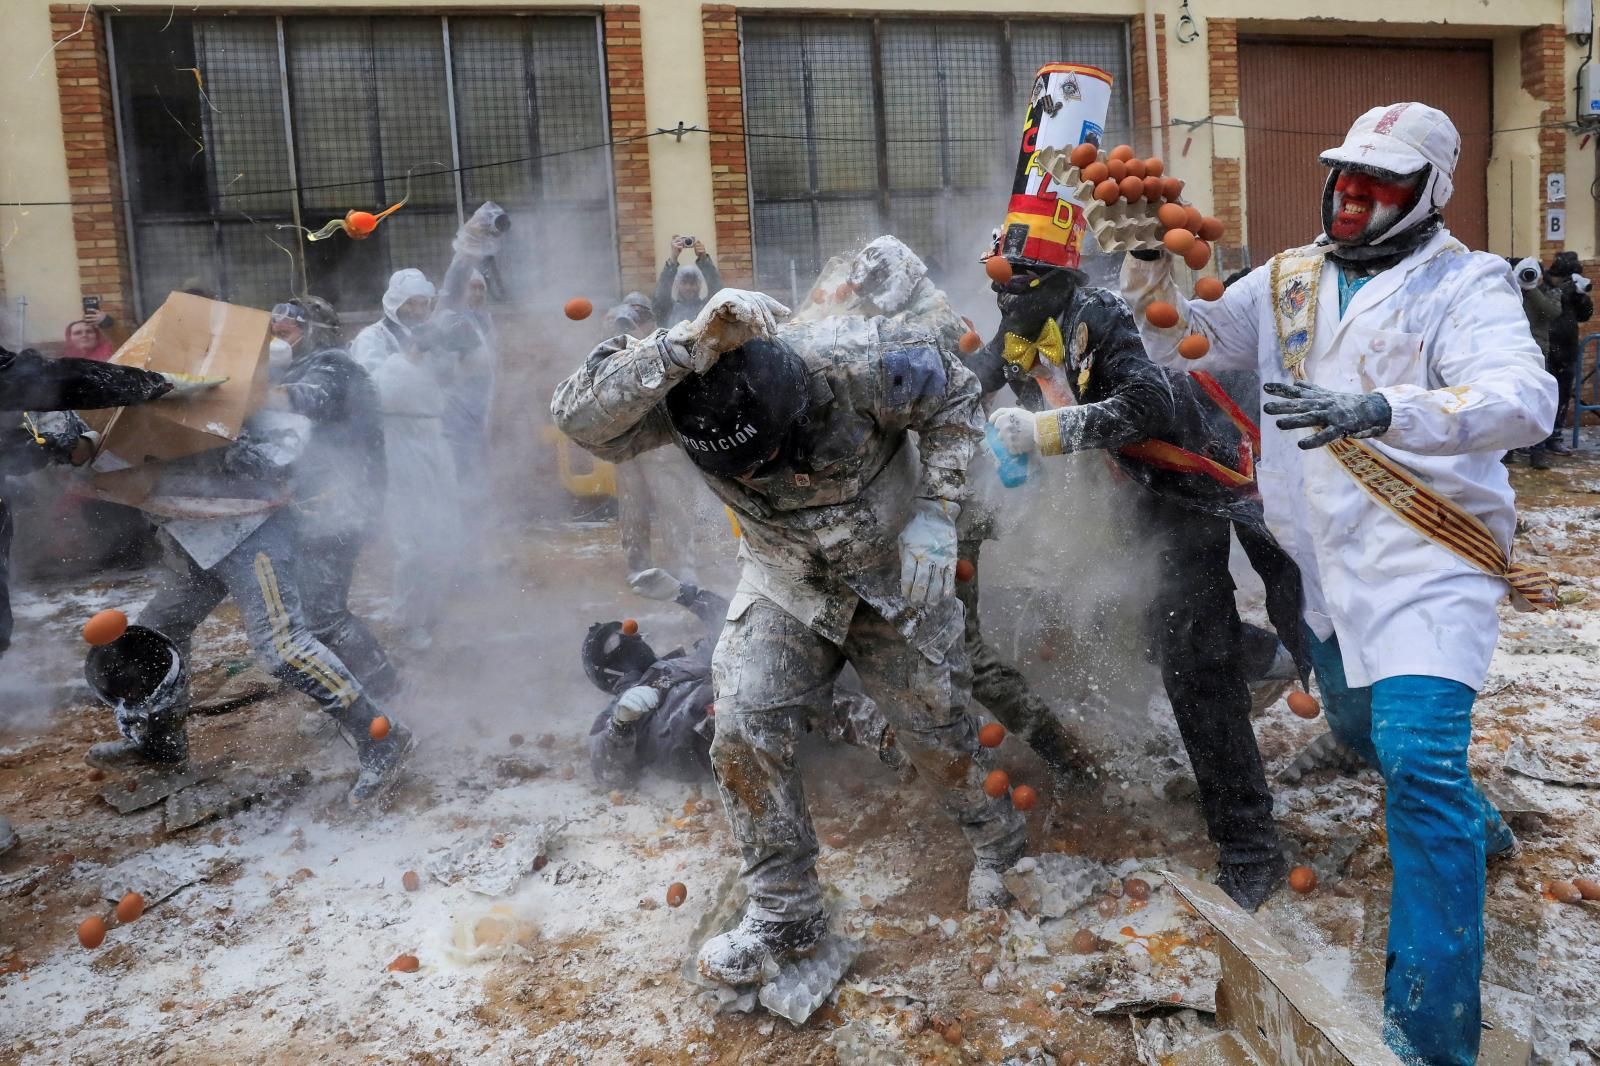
1397 141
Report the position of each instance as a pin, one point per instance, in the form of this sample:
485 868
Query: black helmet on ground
612 659
738 414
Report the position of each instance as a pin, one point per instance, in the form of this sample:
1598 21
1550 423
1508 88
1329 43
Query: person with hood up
848 553
681 291
1565 276
339 480
889 279
1543 307
1408 359
471 382
407 303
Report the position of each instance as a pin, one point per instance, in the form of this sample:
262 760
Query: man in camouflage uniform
848 555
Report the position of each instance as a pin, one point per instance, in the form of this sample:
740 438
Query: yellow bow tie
1023 353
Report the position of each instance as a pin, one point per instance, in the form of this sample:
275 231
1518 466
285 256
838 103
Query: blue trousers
1415 729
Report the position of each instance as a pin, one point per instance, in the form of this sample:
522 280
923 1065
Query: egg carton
1118 227
802 985
1546 640
1054 885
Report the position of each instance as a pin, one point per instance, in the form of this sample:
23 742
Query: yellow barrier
601 480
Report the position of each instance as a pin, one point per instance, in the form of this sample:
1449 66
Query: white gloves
655 584
480 235
1017 430
635 703
185 385
730 318
928 552
1528 272
1581 283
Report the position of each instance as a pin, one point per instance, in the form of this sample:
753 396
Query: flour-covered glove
635 703
655 584
928 552
1337 414
1017 429
480 234
729 319
186 385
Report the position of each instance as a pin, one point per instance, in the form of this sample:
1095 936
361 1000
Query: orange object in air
1194 346
1178 241
995 785
1198 255
1303 704
1171 216
379 728
970 342
360 224
1023 797
629 627
105 627
1161 314
578 308
992 735
1210 228
1209 288
965 571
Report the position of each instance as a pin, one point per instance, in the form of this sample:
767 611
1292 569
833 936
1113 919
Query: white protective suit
387 337
1442 336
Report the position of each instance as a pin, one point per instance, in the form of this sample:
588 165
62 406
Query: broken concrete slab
1557 760
152 786
1054 885
496 863
156 875
210 800
1281 1013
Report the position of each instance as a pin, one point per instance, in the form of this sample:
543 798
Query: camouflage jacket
821 532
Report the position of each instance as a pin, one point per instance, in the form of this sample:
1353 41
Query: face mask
279 356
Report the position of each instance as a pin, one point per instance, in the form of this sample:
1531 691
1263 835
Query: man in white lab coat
1410 360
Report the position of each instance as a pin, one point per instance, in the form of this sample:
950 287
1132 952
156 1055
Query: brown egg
629 627
965 571
1085 942
818 296
1084 154
1304 705
1024 798
970 342
998 267
1152 188
842 292
1132 188
1171 216
1095 173
1208 289
1108 192
516 740
1564 892
996 783
1107 906
104 627
1161 314
1117 169
1136 168
92 931
952 1033
1302 879
1154 167
1178 241
1198 255
1171 188
1194 346
129 907
578 308
410 881
1136 889
379 728
677 892
1587 887
1210 228
405 964
992 734
1192 219
1122 152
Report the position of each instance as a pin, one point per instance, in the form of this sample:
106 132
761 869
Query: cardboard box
189 335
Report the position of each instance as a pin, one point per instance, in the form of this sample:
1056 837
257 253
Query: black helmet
614 659
734 416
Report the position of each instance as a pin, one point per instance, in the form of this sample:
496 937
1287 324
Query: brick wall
630 161
730 189
1143 121
83 80
1543 56
1227 175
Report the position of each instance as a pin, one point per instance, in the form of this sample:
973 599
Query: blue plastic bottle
1013 467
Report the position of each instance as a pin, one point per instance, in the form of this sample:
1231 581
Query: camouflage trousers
770 672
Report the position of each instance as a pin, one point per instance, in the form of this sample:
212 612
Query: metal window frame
126 147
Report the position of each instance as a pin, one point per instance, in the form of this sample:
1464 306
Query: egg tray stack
1118 227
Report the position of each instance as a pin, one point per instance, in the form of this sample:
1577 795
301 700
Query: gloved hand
1581 283
1339 414
185 385
928 552
635 703
1017 429
655 584
1528 273
730 318
480 234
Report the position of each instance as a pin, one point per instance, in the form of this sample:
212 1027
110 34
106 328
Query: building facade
148 148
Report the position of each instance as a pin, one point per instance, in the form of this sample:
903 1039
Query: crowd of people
848 442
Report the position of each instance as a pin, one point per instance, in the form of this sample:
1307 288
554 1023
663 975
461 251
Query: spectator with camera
1543 306
90 337
682 291
1565 278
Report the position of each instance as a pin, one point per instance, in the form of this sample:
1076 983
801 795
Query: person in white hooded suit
407 303
1410 360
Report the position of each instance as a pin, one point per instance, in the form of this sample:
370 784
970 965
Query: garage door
1297 99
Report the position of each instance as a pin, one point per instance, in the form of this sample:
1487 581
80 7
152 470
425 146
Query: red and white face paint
1364 206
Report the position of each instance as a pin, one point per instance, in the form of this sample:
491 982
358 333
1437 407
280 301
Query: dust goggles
289 312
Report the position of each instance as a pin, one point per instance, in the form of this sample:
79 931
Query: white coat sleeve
1493 392
371 347
1231 324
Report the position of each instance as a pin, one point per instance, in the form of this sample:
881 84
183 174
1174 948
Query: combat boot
986 889
741 955
163 749
1250 883
1539 458
382 762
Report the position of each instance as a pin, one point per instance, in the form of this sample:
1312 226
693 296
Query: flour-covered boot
740 956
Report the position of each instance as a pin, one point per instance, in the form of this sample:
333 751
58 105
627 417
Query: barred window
237 129
856 127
